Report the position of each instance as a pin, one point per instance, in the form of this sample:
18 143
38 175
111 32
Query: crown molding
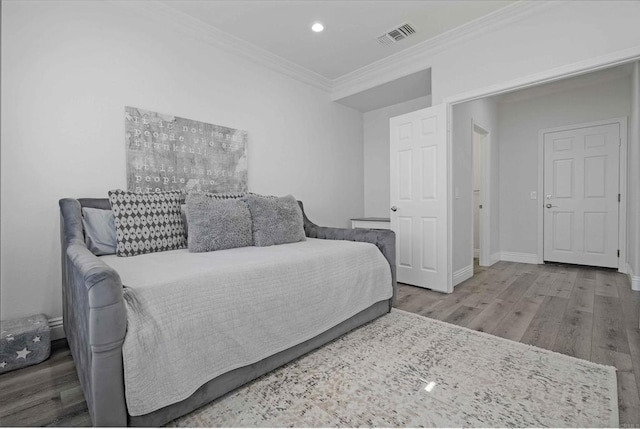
168 16
410 60
417 57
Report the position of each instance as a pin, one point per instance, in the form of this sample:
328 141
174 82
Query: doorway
583 172
518 202
480 186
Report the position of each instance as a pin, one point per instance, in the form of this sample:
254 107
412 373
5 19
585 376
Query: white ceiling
351 27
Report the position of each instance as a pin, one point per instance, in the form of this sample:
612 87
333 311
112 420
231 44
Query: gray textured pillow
214 195
99 231
275 220
216 224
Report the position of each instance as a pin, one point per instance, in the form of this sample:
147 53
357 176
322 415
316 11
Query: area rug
405 370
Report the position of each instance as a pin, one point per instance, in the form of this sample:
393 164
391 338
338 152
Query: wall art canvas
169 153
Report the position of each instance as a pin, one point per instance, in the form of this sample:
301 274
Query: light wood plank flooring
589 313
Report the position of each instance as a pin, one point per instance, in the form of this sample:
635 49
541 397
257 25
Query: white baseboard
462 274
493 258
634 280
523 258
57 330
476 253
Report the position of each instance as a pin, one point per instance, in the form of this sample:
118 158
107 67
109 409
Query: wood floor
47 394
588 313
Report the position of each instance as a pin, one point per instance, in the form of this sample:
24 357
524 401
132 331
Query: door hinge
618 253
618 197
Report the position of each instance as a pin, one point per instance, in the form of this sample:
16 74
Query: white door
581 186
419 197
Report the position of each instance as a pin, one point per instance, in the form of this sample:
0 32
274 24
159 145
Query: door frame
622 185
484 221
616 58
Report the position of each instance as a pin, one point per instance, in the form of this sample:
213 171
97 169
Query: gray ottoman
24 342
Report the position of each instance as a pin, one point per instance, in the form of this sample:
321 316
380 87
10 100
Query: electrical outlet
534 195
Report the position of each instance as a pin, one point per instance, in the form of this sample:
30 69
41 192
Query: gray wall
376 154
518 126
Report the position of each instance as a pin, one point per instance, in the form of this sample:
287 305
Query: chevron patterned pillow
147 223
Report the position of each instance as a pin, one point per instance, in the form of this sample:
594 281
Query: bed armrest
95 320
384 239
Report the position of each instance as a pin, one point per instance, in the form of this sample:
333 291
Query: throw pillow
216 224
99 231
183 214
275 220
216 196
147 223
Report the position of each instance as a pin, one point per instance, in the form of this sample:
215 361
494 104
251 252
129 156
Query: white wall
556 36
518 126
560 34
68 70
633 208
376 154
483 113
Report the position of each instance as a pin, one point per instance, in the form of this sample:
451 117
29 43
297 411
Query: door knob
394 208
549 206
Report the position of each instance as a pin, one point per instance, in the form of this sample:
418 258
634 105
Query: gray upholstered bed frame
95 323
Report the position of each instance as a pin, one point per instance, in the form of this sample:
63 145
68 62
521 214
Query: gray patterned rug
407 370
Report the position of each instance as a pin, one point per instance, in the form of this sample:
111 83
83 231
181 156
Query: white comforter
194 316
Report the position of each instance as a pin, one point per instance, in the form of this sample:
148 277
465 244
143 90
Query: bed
130 322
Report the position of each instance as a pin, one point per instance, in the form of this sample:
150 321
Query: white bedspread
194 316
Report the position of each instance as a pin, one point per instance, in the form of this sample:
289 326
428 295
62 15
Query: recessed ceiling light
317 27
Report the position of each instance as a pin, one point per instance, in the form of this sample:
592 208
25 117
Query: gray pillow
217 196
275 220
99 231
216 224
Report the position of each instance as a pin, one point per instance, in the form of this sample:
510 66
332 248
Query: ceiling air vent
397 34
